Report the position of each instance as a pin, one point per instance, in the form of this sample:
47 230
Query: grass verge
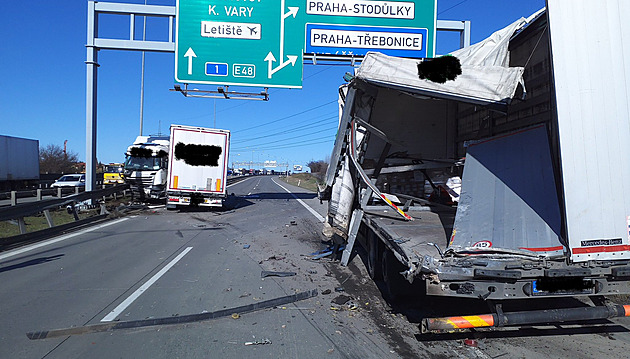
302 180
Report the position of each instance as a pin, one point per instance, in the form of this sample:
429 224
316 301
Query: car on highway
71 180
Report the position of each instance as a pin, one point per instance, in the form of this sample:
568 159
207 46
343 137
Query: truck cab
114 174
146 165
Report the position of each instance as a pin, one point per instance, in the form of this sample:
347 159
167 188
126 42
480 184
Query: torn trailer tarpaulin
483 85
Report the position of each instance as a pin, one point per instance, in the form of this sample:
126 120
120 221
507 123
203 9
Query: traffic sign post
250 43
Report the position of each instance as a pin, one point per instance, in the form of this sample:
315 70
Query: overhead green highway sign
262 42
231 42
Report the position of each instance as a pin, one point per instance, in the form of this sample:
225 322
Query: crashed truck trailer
541 143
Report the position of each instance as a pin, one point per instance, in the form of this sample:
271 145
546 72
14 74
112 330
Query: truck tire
374 249
396 287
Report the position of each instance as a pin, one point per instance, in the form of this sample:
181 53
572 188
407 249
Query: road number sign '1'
240 42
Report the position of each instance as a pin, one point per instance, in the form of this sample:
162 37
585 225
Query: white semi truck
145 166
197 166
537 131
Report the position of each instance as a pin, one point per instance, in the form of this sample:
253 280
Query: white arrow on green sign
239 43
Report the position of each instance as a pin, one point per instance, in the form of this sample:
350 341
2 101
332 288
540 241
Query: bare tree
318 168
52 159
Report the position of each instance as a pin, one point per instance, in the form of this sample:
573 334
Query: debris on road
265 274
327 251
235 316
259 342
246 246
273 258
342 299
339 289
327 291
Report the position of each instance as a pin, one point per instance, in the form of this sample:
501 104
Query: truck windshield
143 163
113 169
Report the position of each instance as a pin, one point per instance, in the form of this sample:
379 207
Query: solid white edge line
313 212
53 241
122 306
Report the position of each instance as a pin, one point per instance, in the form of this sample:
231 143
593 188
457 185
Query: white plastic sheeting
493 51
476 84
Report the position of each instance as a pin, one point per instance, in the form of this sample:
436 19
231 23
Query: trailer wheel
396 286
374 256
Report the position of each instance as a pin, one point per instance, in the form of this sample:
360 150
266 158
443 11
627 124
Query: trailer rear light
173 199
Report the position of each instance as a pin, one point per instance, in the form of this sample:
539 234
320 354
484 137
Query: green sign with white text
231 42
262 42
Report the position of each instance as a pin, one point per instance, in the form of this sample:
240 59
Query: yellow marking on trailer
472 321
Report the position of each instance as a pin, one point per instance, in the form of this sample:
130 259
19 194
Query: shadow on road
285 196
602 327
31 262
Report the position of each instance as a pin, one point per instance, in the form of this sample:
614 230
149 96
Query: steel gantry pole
90 98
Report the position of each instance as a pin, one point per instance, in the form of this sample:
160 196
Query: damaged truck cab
146 161
535 142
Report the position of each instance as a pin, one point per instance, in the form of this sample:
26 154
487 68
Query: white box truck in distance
197 166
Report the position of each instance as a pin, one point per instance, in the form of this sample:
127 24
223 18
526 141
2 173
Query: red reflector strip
601 249
173 199
544 249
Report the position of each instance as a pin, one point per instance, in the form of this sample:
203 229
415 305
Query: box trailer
197 169
19 163
505 183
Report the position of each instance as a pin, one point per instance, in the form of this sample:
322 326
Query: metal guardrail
38 193
27 209
20 211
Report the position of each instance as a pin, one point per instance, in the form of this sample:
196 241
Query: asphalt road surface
159 265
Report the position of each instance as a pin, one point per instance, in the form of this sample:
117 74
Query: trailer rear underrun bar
500 319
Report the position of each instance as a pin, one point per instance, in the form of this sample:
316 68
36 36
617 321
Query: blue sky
42 65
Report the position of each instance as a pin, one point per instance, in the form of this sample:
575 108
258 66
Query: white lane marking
122 306
59 239
232 184
317 215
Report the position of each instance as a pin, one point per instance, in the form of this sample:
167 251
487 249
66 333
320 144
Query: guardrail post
74 211
21 225
59 192
13 198
48 218
39 194
76 190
